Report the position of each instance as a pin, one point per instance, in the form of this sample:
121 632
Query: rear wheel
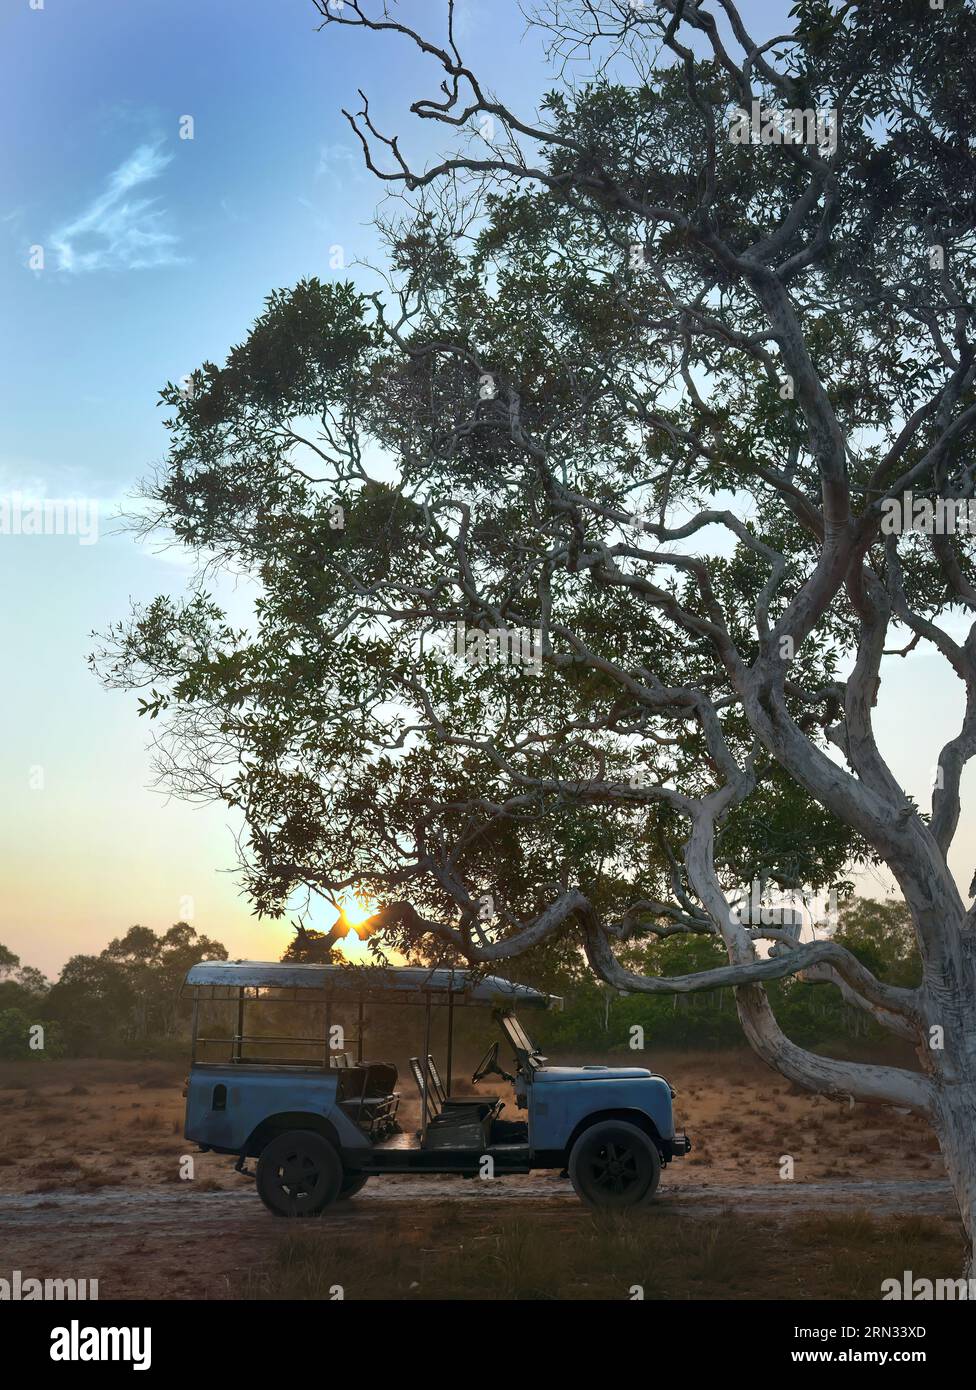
614 1164
299 1174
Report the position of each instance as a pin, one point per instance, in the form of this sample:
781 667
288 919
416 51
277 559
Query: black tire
614 1164
299 1174
351 1184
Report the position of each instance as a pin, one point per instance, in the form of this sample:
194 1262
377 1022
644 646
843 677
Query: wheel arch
273 1125
638 1118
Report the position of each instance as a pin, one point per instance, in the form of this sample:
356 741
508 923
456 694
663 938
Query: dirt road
175 1243
219 1213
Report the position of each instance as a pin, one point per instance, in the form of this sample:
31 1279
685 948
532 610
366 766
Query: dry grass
646 1254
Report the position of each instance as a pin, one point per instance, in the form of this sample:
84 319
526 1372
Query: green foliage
882 937
15 1037
126 999
344 770
23 997
23 994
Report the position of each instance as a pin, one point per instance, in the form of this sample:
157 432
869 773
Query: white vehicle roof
411 983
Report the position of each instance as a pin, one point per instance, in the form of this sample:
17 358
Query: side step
508 1158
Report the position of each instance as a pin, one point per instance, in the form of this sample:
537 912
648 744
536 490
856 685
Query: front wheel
614 1164
299 1174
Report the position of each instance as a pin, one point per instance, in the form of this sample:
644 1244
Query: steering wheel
488 1066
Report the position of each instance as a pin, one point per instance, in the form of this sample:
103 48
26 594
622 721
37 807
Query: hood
593 1074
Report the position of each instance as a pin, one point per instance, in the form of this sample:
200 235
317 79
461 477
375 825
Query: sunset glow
355 910
350 948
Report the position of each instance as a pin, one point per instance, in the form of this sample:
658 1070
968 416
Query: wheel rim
614 1169
298 1178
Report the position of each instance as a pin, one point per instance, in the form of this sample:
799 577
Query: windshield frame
526 1053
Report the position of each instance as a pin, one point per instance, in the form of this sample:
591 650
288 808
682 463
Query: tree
880 934
23 989
631 424
93 1003
129 992
311 947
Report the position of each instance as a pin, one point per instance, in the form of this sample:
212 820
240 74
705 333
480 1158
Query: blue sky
157 253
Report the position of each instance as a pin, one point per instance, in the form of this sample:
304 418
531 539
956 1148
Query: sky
129 254
157 254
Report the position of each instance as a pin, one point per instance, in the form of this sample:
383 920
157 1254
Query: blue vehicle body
600 1122
226 1106
229 1108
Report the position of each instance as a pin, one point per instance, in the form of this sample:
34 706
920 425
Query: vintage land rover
321 1120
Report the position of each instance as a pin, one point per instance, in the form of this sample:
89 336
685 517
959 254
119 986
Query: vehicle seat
366 1093
440 1091
457 1129
439 1102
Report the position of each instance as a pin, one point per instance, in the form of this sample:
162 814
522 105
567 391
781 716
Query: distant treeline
122 1002
125 1001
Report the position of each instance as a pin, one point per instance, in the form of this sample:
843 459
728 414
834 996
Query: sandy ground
90 1184
185 1244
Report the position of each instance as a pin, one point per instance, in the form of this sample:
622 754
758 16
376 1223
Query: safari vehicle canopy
332 986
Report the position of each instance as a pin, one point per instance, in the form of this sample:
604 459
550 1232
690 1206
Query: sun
354 911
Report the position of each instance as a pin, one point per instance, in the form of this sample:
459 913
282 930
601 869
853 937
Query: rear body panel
226 1104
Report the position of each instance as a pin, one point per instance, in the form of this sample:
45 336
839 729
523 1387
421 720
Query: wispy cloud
117 231
333 156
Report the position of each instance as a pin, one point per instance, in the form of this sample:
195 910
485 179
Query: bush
15 1038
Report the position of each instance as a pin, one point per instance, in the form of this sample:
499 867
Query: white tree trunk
950 1007
955 1126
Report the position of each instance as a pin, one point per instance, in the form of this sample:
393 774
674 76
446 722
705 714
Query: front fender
558 1110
